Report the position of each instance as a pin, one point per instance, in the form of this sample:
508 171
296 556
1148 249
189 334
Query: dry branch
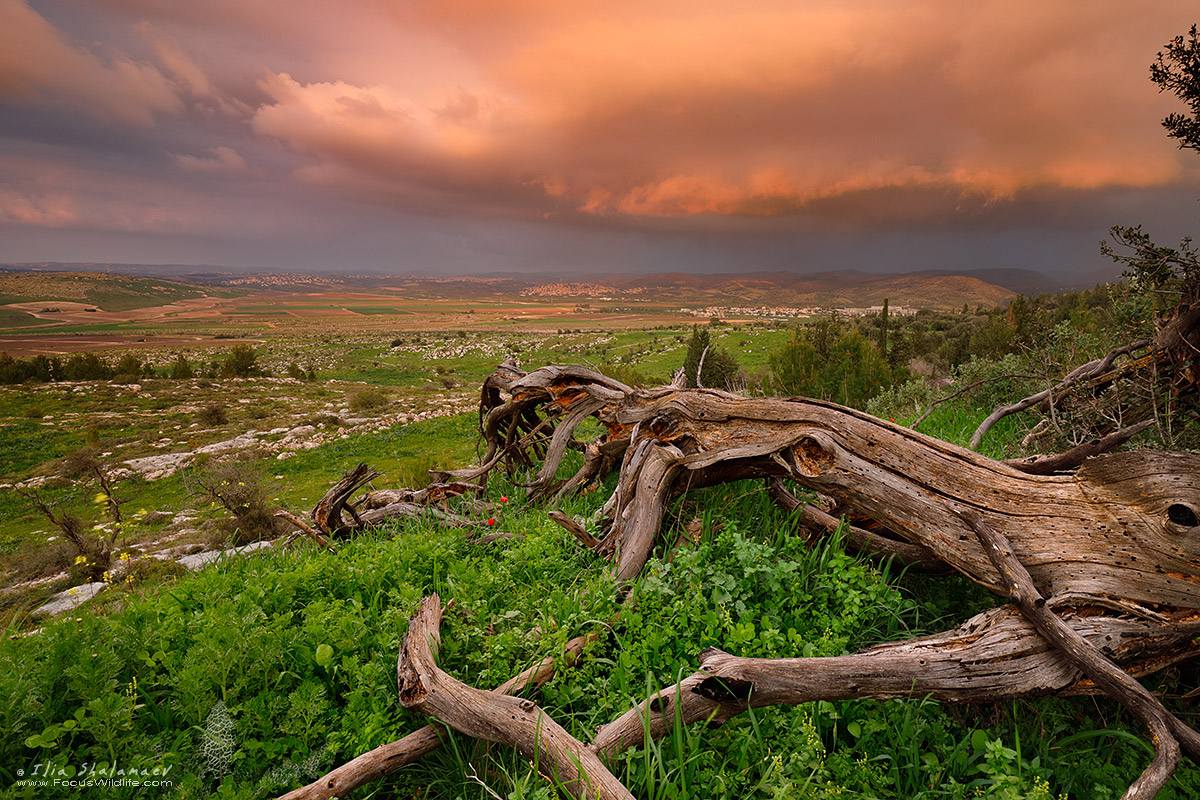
388 758
305 528
993 656
857 539
520 724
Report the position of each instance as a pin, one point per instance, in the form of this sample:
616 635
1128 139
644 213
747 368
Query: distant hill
827 289
107 291
939 290
1021 281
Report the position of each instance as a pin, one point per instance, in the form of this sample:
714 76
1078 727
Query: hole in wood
811 458
1182 515
725 690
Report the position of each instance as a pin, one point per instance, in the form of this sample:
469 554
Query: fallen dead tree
1101 564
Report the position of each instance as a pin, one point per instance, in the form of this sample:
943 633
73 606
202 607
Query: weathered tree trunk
996 655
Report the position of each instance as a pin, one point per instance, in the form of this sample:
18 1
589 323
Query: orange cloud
676 109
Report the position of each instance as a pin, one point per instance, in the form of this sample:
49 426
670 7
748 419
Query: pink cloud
38 62
219 159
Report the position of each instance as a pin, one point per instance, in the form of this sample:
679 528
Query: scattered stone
195 562
71 598
154 467
242 442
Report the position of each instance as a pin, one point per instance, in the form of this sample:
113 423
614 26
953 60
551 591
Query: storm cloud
796 135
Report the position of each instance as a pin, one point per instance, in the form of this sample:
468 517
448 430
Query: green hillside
108 292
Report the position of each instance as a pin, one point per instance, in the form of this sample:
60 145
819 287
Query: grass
180 681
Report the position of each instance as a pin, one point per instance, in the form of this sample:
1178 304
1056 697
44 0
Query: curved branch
1090 370
388 758
1110 678
961 392
993 656
520 724
1070 459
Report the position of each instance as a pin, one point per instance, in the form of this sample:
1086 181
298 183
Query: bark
1102 535
1099 369
1103 673
379 507
564 396
993 656
856 539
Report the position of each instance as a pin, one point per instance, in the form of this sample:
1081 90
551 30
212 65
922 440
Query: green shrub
367 399
212 415
181 368
236 484
241 362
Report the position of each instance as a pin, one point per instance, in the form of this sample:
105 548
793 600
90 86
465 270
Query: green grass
180 680
11 318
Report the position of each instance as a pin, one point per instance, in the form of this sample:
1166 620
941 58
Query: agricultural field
260 672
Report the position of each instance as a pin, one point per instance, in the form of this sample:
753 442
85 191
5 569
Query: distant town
720 312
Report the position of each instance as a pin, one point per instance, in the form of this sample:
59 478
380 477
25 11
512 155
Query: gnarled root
382 506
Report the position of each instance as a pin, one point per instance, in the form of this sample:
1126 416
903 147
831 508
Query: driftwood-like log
383 506
1114 545
496 718
305 528
513 429
995 655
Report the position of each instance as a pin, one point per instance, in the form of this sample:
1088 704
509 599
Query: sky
562 137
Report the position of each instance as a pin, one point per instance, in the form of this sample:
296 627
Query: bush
236 485
128 369
828 362
212 415
86 367
366 399
241 362
181 368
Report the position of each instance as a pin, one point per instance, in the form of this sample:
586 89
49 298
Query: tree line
240 362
